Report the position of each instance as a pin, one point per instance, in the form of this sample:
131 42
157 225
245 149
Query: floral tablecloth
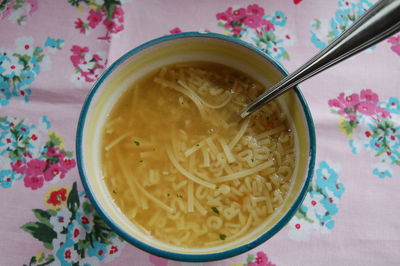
51 53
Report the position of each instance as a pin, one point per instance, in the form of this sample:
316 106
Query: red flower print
57 197
296 2
94 18
34 182
175 30
67 254
113 249
84 220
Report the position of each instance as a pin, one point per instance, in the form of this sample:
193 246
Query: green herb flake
136 142
198 145
222 236
168 194
215 210
179 195
141 161
115 192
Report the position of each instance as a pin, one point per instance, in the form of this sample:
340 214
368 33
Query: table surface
51 52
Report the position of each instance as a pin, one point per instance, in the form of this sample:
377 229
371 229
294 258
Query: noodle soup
181 171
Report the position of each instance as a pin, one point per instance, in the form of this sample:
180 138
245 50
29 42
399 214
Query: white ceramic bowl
180 48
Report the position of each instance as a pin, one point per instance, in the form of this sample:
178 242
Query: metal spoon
379 22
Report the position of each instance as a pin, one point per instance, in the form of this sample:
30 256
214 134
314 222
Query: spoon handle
379 22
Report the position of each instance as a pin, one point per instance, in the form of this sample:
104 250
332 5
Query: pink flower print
97 58
112 26
261 260
252 21
35 167
382 112
53 171
255 10
351 100
34 182
79 24
366 108
227 17
395 41
369 96
67 164
34 6
77 50
175 30
118 14
238 14
94 18
18 167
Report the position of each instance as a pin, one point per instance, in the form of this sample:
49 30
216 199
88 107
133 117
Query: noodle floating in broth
184 175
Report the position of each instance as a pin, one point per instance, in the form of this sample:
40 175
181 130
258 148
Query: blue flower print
27 77
54 43
7 178
279 19
341 16
316 41
326 177
363 6
65 253
326 221
393 105
98 250
382 174
330 205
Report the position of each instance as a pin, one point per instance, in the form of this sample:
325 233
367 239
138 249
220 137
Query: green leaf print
43 216
73 200
41 232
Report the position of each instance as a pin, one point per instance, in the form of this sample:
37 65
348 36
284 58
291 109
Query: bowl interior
183 48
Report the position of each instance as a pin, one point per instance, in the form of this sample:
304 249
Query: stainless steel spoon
379 22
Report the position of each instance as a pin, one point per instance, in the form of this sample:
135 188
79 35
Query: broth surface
180 171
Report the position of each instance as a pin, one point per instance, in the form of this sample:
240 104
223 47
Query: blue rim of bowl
183 256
